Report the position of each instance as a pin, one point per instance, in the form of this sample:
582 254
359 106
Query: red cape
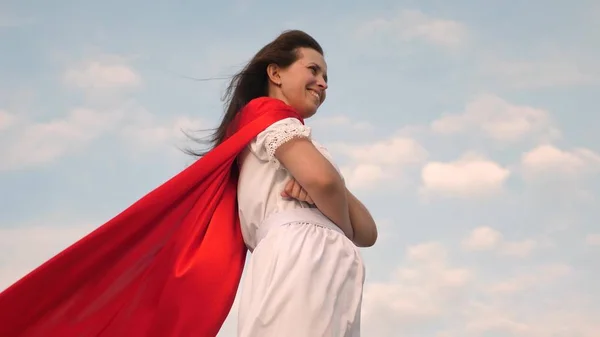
167 266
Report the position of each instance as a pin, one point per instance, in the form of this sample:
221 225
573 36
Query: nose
322 84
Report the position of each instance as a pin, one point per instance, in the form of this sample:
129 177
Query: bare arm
365 229
363 225
320 180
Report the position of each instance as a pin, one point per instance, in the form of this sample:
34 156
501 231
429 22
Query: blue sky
469 130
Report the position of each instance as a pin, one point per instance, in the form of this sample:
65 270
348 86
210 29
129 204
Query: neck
275 92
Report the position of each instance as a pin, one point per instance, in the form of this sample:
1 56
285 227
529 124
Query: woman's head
302 84
290 68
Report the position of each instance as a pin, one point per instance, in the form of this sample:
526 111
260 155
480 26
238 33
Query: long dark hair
252 81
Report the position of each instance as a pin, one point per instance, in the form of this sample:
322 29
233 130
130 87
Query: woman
305 277
169 265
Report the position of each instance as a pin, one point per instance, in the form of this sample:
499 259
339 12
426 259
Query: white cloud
592 239
364 175
98 75
18 258
428 253
482 238
494 118
531 279
410 25
379 161
422 291
428 295
392 151
486 319
6 120
518 248
147 132
469 176
485 238
38 143
34 144
528 320
549 162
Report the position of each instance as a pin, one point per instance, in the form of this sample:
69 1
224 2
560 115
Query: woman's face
302 85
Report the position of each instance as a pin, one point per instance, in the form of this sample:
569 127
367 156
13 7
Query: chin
310 110
307 109
308 113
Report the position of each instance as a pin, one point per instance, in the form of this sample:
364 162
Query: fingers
287 190
290 185
302 195
294 190
297 191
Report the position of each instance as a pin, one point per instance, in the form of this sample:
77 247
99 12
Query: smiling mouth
315 94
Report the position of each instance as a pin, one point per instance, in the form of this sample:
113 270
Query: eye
314 69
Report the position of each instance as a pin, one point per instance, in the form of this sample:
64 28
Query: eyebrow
321 70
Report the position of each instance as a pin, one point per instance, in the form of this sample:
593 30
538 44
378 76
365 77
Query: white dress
305 277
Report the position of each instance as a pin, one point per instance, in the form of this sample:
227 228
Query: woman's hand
295 191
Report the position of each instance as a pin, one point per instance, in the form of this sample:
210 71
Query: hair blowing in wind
252 81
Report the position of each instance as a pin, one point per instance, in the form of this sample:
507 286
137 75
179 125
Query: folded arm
319 178
363 224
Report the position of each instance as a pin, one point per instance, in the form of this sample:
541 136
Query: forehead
308 56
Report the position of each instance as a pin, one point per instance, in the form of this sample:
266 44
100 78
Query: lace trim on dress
282 135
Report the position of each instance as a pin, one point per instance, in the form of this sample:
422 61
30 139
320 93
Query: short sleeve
278 133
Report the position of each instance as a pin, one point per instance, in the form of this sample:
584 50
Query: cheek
297 89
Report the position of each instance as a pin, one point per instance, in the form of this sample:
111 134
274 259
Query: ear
273 73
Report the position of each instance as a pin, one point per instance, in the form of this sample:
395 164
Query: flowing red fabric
167 266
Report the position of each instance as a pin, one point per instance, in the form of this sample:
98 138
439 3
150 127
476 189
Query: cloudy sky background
469 129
